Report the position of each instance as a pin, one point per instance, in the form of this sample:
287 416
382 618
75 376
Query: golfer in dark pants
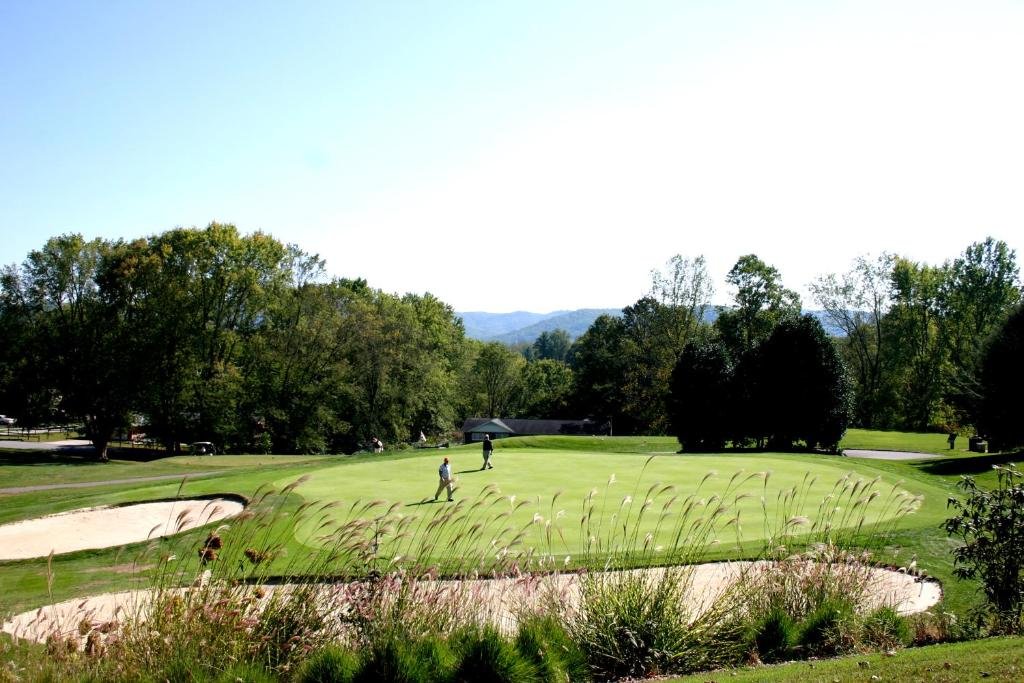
488 449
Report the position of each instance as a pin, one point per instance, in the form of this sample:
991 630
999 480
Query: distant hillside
511 328
487 326
573 322
522 326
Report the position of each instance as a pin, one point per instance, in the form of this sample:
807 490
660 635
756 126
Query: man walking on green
445 473
488 450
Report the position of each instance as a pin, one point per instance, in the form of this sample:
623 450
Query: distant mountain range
523 326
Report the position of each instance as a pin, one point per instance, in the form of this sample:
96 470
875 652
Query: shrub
991 524
250 673
884 628
775 635
331 664
629 626
486 655
543 641
828 630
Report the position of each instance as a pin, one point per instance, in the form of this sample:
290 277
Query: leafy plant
991 524
884 628
775 635
828 629
331 664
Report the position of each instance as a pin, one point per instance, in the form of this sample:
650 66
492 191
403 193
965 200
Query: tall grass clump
556 657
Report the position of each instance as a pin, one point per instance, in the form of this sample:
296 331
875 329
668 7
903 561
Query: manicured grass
555 484
28 468
995 659
914 442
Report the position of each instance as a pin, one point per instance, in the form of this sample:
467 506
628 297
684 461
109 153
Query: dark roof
528 427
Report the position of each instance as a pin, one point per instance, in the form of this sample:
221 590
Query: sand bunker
109 526
498 599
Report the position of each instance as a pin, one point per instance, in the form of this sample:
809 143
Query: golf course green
583 494
548 494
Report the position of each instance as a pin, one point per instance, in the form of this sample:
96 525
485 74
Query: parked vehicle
203 448
4 420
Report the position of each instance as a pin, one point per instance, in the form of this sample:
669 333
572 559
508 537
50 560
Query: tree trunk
100 444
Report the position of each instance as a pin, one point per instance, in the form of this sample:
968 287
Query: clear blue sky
519 155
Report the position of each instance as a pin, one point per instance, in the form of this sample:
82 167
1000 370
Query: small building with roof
475 428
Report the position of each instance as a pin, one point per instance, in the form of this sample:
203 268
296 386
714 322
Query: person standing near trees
488 450
445 474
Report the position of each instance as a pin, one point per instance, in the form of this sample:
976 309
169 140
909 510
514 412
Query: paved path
105 482
889 455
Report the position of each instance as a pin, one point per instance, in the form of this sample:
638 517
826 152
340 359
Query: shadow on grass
975 464
75 455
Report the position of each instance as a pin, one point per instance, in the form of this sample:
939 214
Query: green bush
332 664
990 521
248 672
486 655
828 630
884 628
775 635
543 641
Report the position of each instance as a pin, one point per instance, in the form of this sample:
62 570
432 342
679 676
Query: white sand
108 526
498 598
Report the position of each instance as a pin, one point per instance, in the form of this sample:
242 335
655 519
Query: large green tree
980 288
84 338
702 407
496 380
1001 409
599 365
857 302
760 303
917 357
801 389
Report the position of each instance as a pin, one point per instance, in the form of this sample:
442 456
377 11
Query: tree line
211 335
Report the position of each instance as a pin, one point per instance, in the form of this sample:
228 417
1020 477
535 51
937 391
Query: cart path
106 482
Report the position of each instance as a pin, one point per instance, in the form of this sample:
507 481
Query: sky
520 155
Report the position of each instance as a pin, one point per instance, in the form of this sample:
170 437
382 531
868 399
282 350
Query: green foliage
761 303
1002 385
828 629
775 635
330 664
546 389
631 627
486 655
885 629
701 404
857 302
495 383
394 659
990 522
599 365
553 345
980 288
800 387
544 641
